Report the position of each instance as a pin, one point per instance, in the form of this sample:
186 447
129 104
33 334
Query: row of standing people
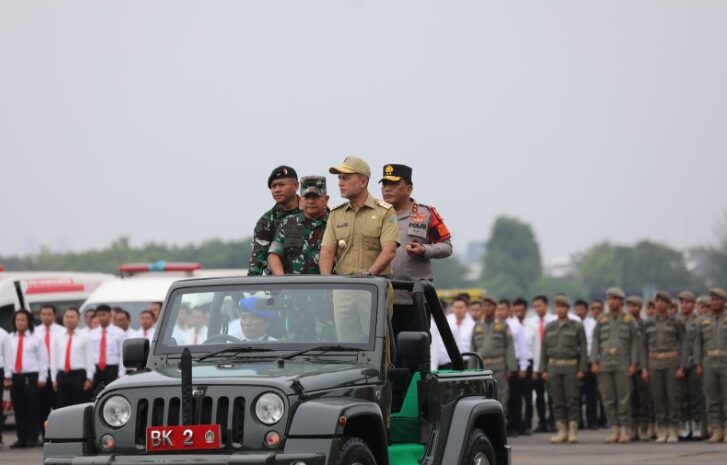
50 365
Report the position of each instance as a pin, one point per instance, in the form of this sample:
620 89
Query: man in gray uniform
422 235
614 358
663 357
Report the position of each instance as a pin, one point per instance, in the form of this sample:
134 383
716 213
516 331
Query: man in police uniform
422 235
689 389
492 339
563 364
663 357
283 184
296 246
710 357
614 358
361 236
641 426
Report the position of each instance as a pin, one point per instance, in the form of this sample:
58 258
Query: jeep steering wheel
222 338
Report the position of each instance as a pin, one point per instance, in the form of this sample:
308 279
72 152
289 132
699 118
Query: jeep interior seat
413 358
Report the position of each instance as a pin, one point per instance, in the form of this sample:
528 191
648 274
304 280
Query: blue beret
256 306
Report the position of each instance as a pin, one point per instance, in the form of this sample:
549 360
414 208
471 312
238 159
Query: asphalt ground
534 449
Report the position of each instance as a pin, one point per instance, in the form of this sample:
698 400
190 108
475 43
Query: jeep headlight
116 411
269 408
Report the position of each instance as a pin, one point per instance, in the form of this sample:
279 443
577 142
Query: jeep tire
479 450
355 451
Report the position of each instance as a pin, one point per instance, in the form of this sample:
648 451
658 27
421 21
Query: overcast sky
162 120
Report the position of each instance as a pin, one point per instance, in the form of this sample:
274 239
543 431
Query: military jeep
295 370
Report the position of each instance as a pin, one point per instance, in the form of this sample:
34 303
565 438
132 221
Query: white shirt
81 354
529 335
518 338
589 324
179 334
194 337
3 337
149 333
115 337
55 331
35 357
534 323
235 330
437 353
462 332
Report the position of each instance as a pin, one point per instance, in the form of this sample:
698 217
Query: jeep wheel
354 451
479 450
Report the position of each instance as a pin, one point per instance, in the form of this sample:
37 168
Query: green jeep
294 370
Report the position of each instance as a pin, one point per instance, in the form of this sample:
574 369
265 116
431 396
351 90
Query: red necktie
541 329
68 351
47 341
102 350
19 354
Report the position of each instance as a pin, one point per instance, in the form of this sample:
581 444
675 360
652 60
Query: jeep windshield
277 317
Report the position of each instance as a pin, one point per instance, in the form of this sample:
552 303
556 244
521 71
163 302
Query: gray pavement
532 450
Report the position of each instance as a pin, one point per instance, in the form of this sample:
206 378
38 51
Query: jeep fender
73 423
322 418
470 413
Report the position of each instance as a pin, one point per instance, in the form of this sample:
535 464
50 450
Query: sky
162 120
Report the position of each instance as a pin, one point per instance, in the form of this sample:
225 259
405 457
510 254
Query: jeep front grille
167 412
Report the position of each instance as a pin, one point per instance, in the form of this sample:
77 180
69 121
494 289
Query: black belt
81 371
98 368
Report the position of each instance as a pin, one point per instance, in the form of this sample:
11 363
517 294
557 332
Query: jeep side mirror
136 351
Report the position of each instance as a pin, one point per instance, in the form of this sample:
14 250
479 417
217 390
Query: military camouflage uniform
492 339
298 243
263 236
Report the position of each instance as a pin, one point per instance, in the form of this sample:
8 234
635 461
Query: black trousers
24 395
514 404
70 388
526 391
46 401
106 376
589 396
2 393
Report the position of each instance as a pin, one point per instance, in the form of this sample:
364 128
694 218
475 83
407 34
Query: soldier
492 339
614 357
564 361
283 184
690 394
296 246
422 234
362 236
663 357
710 357
641 427
704 305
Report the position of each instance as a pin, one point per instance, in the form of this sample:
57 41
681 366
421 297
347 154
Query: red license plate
192 437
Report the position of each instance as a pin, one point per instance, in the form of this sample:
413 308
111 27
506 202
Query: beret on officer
352 165
635 300
262 308
615 292
718 292
562 300
395 173
282 172
663 295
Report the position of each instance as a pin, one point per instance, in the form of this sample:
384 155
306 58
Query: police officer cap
663 295
686 295
704 300
489 298
718 292
313 185
395 173
282 172
561 299
262 308
352 165
615 292
635 300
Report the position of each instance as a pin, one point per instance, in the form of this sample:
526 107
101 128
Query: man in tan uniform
361 238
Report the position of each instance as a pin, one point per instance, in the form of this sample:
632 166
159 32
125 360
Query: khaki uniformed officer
710 357
614 357
663 357
641 404
362 236
564 362
492 339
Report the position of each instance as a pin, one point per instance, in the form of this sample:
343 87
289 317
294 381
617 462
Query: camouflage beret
664 295
686 295
615 292
562 300
704 300
716 291
635 300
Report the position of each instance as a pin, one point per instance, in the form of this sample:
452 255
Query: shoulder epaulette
627 318
384 204
603 320
339 206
